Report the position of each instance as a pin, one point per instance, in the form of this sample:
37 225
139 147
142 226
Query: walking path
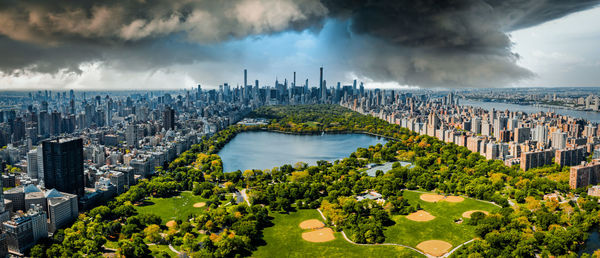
245 196
173 249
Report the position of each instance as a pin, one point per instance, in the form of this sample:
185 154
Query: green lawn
312 124
159 248
111 244
284 239
443 227
177 207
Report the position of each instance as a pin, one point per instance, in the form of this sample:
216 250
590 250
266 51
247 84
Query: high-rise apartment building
536 159
32 163
559 140
571 156
63 165
584 175
131 134
169 119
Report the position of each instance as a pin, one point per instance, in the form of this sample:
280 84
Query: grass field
111 244
284 239
443 227
312 124
159 248
177 207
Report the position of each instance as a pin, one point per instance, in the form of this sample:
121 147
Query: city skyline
300 128
123 156
157 51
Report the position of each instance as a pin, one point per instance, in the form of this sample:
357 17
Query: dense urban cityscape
61 158
300 128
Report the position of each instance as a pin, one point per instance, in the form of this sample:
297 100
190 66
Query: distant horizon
314 86
163 45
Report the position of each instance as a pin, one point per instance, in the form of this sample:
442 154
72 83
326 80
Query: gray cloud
429 43
54 22
443 43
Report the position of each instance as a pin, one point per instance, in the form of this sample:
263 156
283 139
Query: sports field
176 207
284 239
410 230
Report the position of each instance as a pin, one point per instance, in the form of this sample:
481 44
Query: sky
562 52
154 44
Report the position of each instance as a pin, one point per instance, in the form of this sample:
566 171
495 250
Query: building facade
63 165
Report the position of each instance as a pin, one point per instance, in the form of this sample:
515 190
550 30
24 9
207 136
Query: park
335 208
173 208
434 230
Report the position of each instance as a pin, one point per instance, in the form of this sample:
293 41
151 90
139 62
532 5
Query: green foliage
536 227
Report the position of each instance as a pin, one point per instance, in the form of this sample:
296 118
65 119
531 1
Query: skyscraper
169 119
43 124
131 135
32 163
559 140
322 86
540 134
63 165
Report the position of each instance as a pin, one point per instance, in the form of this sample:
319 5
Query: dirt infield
171 223
454 199
438 197
467 214
311 224
319 235
434 247
199 204
420 215
431 197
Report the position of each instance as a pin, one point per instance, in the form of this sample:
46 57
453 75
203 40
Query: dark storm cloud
48 36
20 57
430 43
443 43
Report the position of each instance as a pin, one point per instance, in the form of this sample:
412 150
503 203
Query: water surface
266 150
591 116
592 243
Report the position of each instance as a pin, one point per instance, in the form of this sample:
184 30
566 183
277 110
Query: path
170 247
174 250
245 196
394 244
109 249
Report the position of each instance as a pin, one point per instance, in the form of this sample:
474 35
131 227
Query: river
591 116
265 150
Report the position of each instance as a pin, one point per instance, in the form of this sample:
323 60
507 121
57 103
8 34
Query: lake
266 150
591 116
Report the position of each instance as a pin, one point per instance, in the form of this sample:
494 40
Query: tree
152 233
189 242
104 212
247 228
133 248
124 210
112 229
38 251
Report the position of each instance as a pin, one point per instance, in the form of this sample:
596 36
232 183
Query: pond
592 244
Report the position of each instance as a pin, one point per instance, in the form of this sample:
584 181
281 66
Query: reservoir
591 116
266 150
